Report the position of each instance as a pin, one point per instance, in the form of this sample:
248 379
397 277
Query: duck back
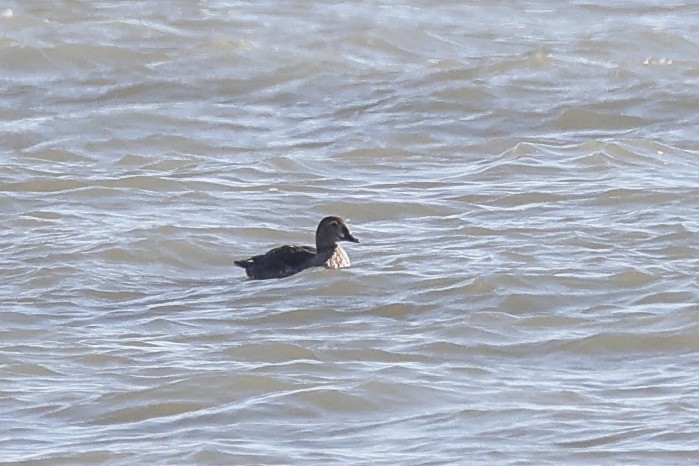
279 262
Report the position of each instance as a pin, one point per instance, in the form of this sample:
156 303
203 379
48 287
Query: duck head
331 230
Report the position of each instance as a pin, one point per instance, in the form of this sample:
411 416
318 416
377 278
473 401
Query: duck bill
347 236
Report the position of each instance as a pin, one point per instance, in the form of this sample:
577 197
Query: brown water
524 179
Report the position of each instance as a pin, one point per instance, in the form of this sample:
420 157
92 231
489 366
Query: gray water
523 177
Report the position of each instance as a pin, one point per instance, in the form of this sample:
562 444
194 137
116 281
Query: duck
285 261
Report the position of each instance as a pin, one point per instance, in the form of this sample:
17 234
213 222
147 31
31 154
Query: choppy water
524 179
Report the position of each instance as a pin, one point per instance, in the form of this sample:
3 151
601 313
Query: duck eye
333 223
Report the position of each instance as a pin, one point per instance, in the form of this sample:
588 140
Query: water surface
524 180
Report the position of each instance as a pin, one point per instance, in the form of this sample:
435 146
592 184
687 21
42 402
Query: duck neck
324 246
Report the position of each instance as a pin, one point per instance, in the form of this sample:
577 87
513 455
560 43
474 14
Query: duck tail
245 263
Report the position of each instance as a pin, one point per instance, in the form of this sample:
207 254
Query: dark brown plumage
288 260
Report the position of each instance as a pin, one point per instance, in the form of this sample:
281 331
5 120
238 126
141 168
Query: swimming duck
287 260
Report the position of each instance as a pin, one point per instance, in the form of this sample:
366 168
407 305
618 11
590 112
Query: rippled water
524 180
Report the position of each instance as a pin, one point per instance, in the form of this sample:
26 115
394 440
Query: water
524 180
